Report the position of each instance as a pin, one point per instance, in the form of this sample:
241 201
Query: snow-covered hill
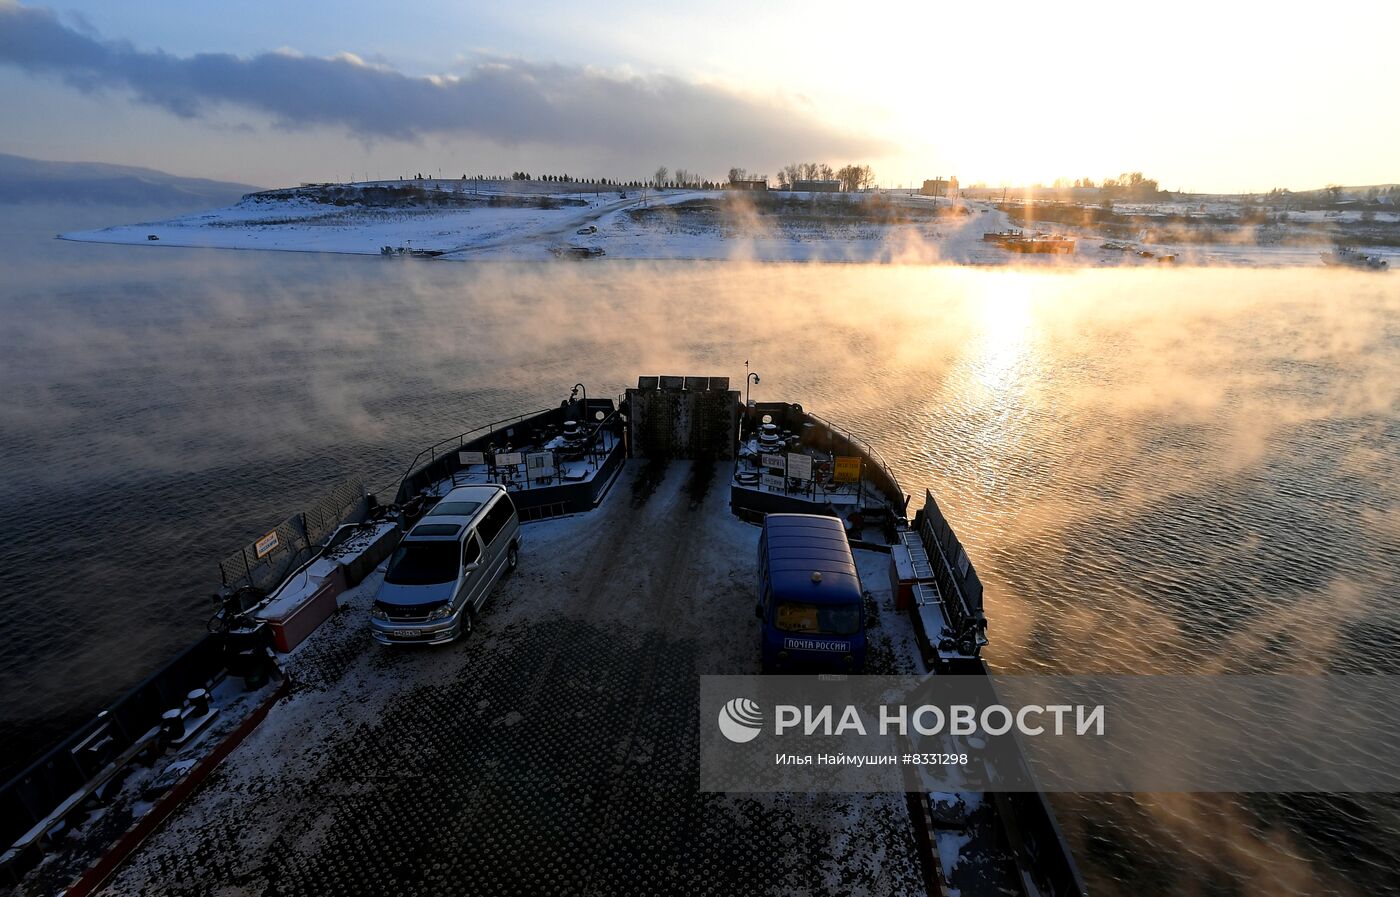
25 180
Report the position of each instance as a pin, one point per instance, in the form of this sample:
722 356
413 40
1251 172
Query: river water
1186 470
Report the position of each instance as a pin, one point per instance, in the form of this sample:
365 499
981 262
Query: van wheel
464 629
512 558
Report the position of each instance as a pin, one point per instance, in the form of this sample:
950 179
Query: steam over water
1155 471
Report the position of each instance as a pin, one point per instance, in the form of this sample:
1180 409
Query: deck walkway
554 751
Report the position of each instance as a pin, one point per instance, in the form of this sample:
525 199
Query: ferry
1346 257
551 746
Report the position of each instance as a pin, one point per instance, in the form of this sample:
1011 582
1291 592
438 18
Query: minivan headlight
377 613
441 613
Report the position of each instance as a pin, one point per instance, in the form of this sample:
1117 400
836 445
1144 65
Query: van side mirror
468 568
758 612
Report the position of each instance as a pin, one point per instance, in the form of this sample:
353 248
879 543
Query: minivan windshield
818 619
423 563
454 509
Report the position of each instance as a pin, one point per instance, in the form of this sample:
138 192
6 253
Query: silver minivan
443 570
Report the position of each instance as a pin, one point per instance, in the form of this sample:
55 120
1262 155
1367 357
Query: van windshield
423 563
818 619
453 509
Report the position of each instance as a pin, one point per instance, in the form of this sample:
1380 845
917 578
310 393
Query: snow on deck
292 594
555 750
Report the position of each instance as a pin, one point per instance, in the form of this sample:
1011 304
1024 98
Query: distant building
935 187
749 184
817 186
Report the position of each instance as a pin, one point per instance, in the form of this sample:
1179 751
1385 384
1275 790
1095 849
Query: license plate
407 633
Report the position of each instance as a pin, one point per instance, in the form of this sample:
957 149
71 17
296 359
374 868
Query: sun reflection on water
1005 319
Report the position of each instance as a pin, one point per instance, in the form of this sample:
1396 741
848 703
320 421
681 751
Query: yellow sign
266 545
847 469
797 618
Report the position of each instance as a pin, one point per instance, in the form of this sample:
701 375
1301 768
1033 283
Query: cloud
509 101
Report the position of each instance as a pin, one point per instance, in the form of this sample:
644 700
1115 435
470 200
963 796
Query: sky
1221 96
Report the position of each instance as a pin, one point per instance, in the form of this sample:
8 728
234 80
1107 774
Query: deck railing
439 452
897 493
433 451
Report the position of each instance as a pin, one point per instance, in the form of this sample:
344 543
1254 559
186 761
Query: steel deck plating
553 751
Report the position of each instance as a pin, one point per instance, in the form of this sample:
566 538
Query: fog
1190 470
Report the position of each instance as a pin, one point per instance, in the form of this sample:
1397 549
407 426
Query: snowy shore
632 224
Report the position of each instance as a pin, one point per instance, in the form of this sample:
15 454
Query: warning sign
847 469
266 545
799 466
540 465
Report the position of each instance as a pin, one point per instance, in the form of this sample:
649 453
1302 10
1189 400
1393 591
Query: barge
555 749
407 252
1053 244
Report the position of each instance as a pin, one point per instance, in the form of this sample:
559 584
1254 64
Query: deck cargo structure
555 749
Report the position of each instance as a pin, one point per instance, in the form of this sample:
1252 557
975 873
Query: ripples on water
1155 471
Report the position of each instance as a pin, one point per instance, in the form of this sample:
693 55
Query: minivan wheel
464 628
512 558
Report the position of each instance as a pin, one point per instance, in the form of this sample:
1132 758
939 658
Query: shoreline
681 225
1012 261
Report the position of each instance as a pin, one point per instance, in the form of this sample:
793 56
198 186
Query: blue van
809 596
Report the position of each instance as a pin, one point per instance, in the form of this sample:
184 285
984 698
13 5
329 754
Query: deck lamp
573 395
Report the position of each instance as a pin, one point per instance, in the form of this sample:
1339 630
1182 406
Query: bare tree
824 172
737 174
659 178
855 177
683 177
